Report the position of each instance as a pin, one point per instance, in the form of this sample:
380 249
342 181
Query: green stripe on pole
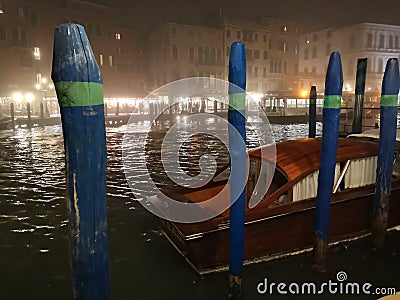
79 93
237 101
389 100
332 101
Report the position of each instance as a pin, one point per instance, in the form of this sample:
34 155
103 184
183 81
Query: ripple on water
34 210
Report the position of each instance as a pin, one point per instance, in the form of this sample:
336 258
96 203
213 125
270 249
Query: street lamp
17 97
29 97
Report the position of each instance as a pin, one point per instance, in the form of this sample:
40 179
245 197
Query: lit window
36 53
38 79
117 36
285 46
296 48
21 12
110 60
101 59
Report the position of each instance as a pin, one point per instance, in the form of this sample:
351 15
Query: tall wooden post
41 110
330 134
237 149
79 88
29 114
387 141
359 95
312 113
117 109
12 112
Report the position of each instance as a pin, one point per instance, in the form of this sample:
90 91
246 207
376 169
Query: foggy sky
323 13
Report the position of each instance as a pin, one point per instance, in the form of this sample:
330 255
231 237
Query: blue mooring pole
237 149
387 141
312 112
330 133
359 95
79 88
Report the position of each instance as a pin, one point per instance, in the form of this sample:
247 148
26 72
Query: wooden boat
284 220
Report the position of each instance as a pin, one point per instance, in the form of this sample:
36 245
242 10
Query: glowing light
37 86
256 96
17 97
29 97
304 93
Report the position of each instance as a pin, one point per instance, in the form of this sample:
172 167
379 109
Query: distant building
271 52
26 46
281 58
177 51
377 42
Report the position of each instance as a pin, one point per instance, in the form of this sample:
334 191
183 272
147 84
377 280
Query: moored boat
283 222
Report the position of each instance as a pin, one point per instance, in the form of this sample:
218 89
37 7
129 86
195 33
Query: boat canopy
298 158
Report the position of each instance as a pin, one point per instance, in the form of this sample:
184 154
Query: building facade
26 46
281 57
178 51
376 42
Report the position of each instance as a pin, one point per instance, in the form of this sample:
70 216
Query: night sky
322 13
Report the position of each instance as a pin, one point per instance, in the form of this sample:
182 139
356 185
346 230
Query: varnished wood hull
275 231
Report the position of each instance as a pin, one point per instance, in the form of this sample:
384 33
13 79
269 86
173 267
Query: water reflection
33 209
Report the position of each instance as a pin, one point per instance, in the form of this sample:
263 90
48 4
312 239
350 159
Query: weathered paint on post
359 95
312 112
237 149
387 141
79 88
330 134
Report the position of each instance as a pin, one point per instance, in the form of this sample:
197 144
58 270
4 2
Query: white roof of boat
373 133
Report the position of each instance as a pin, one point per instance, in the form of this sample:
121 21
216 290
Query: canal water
34 247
